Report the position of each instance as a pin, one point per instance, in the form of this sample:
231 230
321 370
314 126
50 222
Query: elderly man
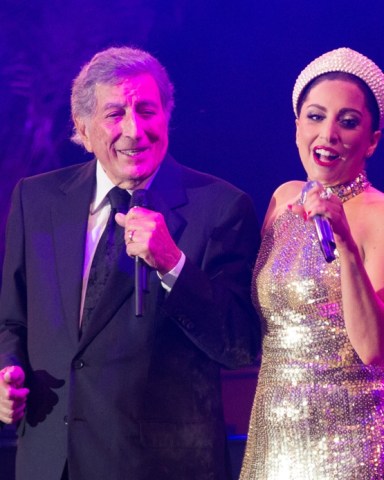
107 375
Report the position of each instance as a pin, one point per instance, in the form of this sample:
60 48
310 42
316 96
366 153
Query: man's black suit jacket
134 398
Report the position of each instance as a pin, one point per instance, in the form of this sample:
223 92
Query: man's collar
104 184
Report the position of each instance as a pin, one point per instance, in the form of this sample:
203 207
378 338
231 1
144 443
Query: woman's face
334 132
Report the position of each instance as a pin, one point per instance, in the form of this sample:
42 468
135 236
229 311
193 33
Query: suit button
65 420
77 364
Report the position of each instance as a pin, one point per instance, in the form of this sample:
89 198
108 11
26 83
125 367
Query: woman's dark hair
370 99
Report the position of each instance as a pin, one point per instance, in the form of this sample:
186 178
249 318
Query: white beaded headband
348 61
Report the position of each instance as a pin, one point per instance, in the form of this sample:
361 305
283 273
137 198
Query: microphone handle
325 236
140 272
140 199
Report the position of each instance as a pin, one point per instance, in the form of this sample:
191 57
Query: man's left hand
147 236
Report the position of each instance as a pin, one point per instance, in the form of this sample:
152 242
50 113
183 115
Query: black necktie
106 253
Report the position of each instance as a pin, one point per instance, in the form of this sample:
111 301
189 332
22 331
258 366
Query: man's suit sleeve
13 293
211 302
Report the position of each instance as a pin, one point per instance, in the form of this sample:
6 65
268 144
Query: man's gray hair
110 67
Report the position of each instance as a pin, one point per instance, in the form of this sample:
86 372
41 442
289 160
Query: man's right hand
13 396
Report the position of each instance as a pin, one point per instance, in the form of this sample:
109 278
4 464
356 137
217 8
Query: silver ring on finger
325 194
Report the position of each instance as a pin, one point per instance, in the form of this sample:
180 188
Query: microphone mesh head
140 198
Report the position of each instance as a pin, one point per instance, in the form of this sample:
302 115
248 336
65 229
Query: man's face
128 132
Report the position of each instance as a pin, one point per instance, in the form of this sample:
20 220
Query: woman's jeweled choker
348 190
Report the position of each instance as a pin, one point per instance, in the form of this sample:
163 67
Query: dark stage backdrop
233 63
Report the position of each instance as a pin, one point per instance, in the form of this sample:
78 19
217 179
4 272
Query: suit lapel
120 285
167 194
69 215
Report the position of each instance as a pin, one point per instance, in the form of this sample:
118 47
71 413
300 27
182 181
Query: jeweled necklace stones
351 189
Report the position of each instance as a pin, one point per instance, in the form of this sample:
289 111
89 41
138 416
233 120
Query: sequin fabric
318 412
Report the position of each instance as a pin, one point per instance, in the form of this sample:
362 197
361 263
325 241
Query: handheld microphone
140 198
323 228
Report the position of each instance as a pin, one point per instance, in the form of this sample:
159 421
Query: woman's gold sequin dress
319 411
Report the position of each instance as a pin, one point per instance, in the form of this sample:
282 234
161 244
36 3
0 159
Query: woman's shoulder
365 214
286 194
375 196
289 191
369 203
